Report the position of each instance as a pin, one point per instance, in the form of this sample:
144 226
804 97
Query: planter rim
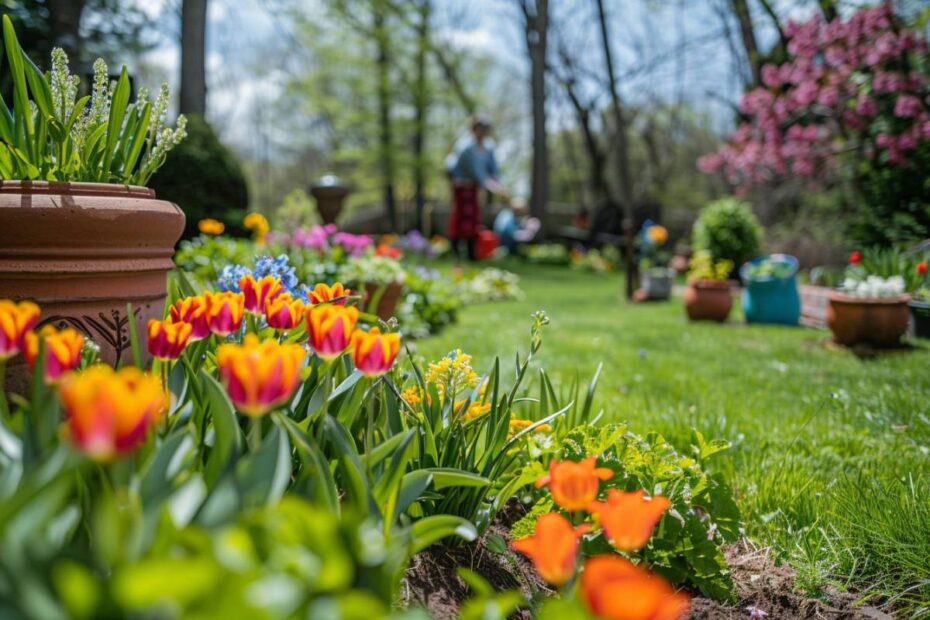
918 303
69 188
712 284
845 298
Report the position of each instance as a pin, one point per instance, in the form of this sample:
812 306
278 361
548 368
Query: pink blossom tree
852 98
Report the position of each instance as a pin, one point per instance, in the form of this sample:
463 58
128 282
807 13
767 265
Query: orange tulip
323 293
62 350
224 311
553 547
629 518
257 292
616 589
259 375
167 339
574 485
16 319
373 352
192 310
284 312
109 411
329 328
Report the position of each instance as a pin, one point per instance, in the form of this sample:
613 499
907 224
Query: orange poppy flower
629 518
616 589
553 547
574 485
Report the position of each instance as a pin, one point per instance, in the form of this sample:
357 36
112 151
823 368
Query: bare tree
193 98
536 27
421 110
386 139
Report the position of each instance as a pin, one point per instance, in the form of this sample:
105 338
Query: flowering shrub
489 284
854 88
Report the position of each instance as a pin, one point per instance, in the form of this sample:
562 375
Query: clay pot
880 322
387 304
708 300
82 251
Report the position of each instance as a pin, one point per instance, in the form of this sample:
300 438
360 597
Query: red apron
466 214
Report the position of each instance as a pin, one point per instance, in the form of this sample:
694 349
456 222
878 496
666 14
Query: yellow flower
258 224
210 226
516 426
412 395
657 234
452 373
476 410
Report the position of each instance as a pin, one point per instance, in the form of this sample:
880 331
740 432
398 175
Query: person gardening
472 169
513 227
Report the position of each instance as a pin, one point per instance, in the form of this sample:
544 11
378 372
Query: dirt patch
432 581
767 591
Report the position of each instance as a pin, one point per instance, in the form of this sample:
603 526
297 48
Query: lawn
829 454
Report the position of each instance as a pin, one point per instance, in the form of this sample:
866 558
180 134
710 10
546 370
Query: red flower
922 268
629 518
616 589
855 258
553 547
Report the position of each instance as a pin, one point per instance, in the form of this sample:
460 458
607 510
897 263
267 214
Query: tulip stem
4 407
255 432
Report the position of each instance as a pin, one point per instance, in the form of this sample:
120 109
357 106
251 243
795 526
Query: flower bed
279 441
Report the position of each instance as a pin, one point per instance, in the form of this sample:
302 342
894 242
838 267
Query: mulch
764 589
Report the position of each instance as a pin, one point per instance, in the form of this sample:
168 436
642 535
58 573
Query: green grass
830 452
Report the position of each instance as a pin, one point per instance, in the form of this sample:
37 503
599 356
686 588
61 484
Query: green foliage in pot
51 134
728 229
704 267
205 179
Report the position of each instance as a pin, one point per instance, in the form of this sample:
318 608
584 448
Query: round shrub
729 230
204 178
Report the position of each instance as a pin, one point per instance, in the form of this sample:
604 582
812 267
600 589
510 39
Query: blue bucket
772 298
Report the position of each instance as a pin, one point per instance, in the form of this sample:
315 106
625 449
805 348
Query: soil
765 591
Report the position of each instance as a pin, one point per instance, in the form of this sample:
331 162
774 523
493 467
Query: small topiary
204 178
729 230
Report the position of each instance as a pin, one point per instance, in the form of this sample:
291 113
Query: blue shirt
475 164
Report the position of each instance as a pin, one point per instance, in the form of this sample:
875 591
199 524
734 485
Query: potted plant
771 291
655 276
920 303
382 279
79 232
728 230
868 308
707 296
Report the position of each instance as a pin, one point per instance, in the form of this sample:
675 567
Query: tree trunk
193 99
384 112
748 34
537 28
623 156
64 22
421 111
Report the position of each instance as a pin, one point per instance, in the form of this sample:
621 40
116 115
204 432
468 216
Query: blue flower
279 267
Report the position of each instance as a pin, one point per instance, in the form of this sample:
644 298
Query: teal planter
771 297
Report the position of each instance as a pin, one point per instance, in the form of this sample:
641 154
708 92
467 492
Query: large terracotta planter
82 251
880 322
387 304
708 300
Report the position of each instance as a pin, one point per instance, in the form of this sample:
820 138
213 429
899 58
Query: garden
707 396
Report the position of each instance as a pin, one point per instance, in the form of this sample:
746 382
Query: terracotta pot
82 251
387 304
708 300
877 321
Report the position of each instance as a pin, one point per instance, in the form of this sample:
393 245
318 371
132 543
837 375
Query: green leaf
166 464
444 477
228 437
115 122
23 129
354 480
263 476
134 337
315 478
430 530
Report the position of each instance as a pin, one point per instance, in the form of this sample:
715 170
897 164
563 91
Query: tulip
192 310
629 518
374 352
16 319
335 294
257 292
109 412
855 258
574 485
553 547
167 339
62 350
329 329
259 375
224 311
922 268
616 589
284 312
